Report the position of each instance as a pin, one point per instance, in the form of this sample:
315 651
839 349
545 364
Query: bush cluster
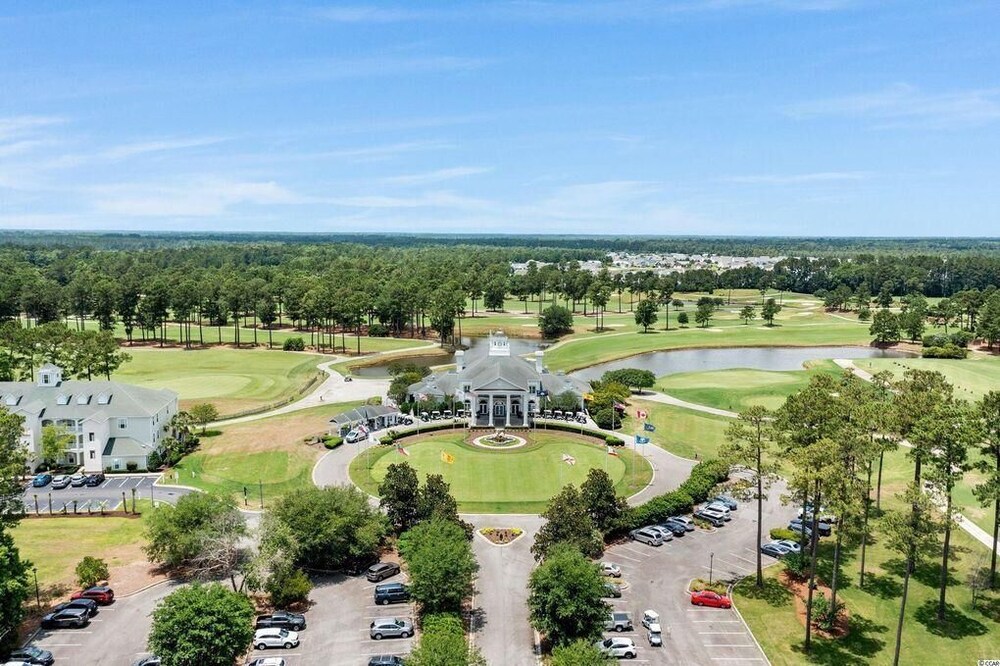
378 331
294 344
332 442
783 534
959 338
610 440
947 351
704 477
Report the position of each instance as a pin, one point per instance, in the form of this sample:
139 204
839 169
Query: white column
491 411
508 410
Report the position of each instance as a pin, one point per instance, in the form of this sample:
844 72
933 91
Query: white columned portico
491 411
507 415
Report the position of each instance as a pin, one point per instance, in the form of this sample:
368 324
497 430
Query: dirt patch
800 591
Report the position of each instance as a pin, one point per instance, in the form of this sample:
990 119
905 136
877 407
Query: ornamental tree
565 597
201 625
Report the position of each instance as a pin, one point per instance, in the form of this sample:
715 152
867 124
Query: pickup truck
281 620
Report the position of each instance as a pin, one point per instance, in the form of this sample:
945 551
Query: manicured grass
683 432
817 329
504 481
267 455
973 377
56 545
966 636
232 380
736 390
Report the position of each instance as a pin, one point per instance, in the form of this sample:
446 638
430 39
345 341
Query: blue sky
775 117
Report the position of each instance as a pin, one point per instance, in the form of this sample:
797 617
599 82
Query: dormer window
63 399
12 400
103 398
83 399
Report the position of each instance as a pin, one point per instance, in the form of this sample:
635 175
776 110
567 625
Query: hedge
784 534
332 442
704 477
610 440
947 351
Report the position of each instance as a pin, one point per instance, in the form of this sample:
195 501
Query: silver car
666 534
721 508
275 637
391 627
647 536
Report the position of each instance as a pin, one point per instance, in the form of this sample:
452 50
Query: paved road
502 630
677 402
658 577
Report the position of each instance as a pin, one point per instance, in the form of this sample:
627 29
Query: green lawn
232 380
736 390
966 636
683 432
268 454
973 377
56 545
512 481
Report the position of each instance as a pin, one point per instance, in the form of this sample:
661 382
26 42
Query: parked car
651 621
385 660
77 480
774 549
282 620
267 661
617 647
102 594
391 593
275 637
381 571
16 663
618 621
89 604
648 537
390 627
41 480
799 528
720 509
664 533
95 479
69 617
792 546
712 517
612 591
675 529
32 655
824 529
709 598
726 501
611 569
60 481
149 660
353 436
682 520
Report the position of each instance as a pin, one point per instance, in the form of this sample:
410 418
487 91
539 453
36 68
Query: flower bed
501 535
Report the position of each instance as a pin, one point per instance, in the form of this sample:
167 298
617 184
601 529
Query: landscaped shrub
704 478
606 419
961 338
824 613
611 440
796 563
378 331
947 351
131 466
331 442
288 588
699 584
782 533
294 344
154 460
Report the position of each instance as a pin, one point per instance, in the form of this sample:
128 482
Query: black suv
381 571
391 593
94 480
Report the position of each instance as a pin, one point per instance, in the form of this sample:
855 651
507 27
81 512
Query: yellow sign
447 457
588 397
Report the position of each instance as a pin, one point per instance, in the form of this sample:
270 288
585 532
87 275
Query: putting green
505 481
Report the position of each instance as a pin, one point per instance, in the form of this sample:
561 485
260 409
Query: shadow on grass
857 648
990 607
885 587
955 625
926 572
773 593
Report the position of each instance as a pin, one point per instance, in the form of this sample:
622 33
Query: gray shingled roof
363 413
498 373
125 400
125 446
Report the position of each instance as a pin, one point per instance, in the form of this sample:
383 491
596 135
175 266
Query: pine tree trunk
814 538
902 610
760 521
836 569
944 559
864 528
878 488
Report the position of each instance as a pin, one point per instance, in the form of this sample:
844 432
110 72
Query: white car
611 569
792 546
714 513
721 508
617 647
663 531
275 637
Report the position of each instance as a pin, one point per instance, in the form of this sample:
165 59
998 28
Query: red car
709 598
102 594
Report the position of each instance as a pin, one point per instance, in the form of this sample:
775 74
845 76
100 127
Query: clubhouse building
109 424
497 389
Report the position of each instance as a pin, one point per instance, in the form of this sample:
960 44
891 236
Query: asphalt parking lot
108 493
657 579
337 624
116 636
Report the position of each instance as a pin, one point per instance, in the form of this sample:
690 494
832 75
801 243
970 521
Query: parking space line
743 558
124 481
626 557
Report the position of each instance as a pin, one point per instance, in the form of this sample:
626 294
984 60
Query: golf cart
651 621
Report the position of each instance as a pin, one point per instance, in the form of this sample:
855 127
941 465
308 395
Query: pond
475 348
727 358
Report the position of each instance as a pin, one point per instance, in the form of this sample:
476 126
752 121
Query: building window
91 436
122 424
92 455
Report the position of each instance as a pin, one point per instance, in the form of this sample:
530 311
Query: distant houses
110 424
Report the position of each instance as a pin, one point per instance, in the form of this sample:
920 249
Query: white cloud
202 198
800 178
157 146
435 176
906 105
14 127
425 200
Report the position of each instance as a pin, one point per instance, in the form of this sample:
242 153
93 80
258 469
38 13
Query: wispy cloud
157 146
904 105
436 176
425 200
198 198
800 178
14 127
